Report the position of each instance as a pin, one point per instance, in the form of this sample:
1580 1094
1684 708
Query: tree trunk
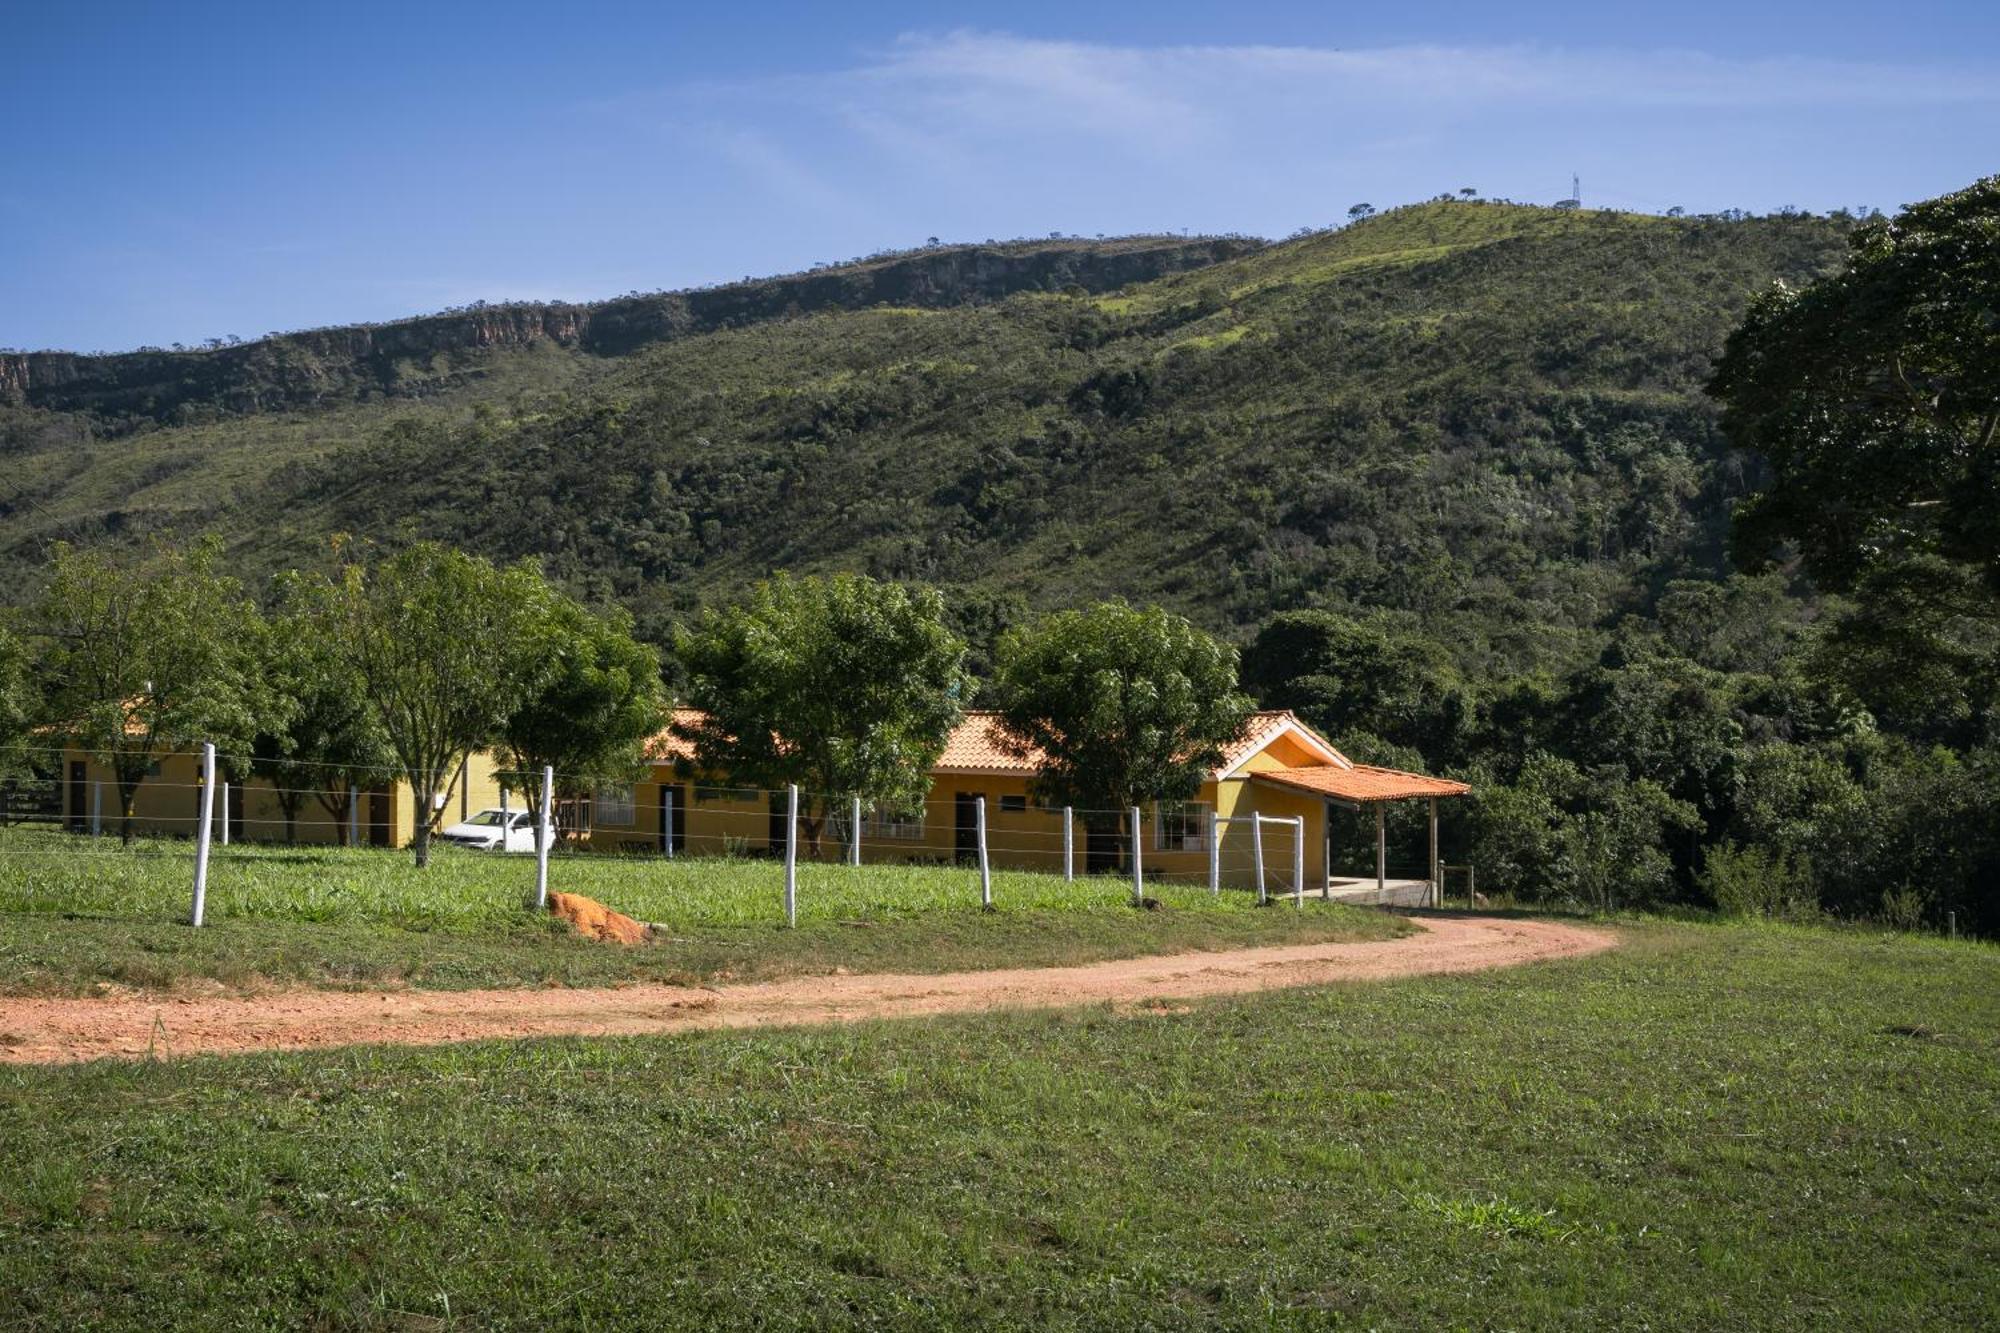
420 837
128 793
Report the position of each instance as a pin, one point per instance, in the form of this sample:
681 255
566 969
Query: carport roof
1361 783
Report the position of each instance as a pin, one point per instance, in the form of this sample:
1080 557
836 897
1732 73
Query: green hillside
1486 415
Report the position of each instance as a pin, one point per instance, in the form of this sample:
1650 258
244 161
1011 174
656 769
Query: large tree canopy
1126 706
843 684
446 646
599 702
1875 394
138 660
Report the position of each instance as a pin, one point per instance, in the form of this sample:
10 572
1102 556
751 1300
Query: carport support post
792 854
204 818
1326 853
97 808
354 813
1381 848
1299 861
1138 872
542 840
1069 844
1214 855
854 833
666 818
1437 887
985 867
225 814
506 826
1257 855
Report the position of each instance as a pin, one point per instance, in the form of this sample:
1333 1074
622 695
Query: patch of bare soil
46 1031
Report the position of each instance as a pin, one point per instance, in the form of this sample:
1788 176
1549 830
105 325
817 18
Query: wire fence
182 797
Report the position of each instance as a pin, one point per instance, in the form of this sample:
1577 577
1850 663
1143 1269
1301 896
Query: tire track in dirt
51 1031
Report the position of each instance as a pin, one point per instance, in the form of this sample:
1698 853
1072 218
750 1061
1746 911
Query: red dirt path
40 1031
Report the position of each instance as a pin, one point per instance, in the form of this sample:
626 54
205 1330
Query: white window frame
613 807
1195 841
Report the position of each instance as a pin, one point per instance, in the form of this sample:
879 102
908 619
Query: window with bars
1180 826
907 825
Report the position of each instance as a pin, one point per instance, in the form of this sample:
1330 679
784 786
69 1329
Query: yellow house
1262 815
1274 793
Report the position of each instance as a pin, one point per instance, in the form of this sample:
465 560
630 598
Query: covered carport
1366 786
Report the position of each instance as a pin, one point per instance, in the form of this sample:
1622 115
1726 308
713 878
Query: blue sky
175 172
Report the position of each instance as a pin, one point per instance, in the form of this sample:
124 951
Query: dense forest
1449 475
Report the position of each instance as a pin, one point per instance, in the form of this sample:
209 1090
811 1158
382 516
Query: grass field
1715 1126
73 917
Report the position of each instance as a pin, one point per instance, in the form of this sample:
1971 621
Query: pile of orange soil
594 921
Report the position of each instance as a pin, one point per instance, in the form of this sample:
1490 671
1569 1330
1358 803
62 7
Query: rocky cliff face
321 365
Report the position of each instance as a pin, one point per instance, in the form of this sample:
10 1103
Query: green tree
599 702
1874 394
137 661
1349 676
842 684
1124 706
20 706
446 647
324 738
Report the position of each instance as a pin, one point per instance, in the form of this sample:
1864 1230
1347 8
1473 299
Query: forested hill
1487 418
416 356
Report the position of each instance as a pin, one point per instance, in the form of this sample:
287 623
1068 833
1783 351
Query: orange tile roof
975 746
1361 783
668 746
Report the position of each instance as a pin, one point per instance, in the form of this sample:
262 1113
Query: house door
234 814
79 796
379 831
1104 849
777 836
965 825
673 817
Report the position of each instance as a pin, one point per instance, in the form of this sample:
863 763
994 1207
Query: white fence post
542 839
1138 873
1214 854
792 854
1298 860
97 807
854 833
985 867
1069 844
225 814
1257 854
667 820
202 833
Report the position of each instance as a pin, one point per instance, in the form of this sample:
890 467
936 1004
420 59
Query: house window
907 825
1013 805
613 807
1180 826
740 795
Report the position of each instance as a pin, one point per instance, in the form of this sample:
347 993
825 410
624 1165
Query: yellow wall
715 819
167 804
1029 839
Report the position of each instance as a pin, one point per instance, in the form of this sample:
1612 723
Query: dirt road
39 1031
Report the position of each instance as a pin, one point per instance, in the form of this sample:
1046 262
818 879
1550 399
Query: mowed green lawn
1712 1127
76 915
